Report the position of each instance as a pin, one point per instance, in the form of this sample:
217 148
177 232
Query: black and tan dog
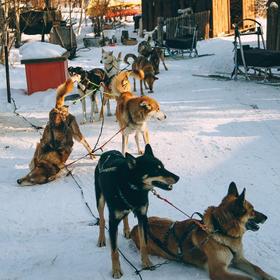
124 183
142 63
216 244
89 84
56 143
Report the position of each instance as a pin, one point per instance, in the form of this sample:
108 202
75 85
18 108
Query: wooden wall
220 18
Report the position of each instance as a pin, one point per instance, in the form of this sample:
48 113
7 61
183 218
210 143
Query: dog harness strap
125 201
160 244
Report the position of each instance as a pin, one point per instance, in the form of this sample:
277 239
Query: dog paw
117 273
101 242
126 234
147 264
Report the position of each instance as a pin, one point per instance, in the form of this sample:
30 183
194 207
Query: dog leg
100 206
162 60
109 113
246 266
126 229
84 111
142 231
113 231
146 136
124 143
218 260
34 160
104 100
141 87
94 107
140 152
134 84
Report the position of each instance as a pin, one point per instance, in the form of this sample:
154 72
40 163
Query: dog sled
254 62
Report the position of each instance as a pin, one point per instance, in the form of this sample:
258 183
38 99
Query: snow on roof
37 50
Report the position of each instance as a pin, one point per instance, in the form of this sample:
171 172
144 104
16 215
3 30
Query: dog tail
62 90
137 74
129 55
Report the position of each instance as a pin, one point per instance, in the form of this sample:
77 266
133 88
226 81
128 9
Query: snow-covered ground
215 132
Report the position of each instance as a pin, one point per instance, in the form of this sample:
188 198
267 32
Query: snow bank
37 50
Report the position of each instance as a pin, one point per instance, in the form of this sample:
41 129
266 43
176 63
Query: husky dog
142 63
111 63
124 184
90 83
56 143
132 111
214 243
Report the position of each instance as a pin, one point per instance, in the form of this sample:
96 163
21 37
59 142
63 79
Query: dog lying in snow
215 245
56 143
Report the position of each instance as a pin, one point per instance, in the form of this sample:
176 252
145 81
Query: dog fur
214 246
56 143
142 63
124 183
133 112
91 82
110 62
154 54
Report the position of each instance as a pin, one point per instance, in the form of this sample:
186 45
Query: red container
45 73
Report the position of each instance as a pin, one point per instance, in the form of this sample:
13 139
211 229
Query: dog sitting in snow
56 143
132 111
91 82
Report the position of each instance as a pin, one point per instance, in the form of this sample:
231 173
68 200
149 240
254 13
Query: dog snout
19 181
260 217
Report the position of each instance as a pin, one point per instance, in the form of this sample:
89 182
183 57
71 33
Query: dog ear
241 198
111 53
148 150
145 105
232 189
120 56
131 160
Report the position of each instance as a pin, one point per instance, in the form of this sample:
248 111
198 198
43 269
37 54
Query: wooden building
273 25
223 13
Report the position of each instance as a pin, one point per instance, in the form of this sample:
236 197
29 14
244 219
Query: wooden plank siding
220 17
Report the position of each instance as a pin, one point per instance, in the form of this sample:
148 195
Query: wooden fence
201 20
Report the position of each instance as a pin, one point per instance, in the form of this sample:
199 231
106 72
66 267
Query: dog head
145 48
235 214
58 117
76 73
107 57
151 108
43 173
147 172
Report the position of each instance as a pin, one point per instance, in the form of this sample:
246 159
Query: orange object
45 73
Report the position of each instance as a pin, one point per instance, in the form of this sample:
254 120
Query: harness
163 245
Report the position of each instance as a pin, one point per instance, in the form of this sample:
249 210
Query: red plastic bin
45 73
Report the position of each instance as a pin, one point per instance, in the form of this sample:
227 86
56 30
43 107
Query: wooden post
272 24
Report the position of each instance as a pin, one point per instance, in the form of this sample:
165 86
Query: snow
215 132
37 50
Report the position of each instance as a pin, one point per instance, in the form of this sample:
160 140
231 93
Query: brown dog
133 112
142 63
216 244
56 143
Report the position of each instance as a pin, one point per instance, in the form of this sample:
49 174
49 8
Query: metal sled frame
264 72
173 51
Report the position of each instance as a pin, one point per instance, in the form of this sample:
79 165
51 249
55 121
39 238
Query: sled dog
133 112
142 63
216 244
90 83
123 182
56 143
